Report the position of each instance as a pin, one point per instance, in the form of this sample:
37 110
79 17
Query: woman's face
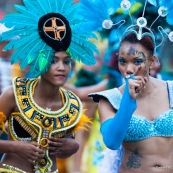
131 57
59 70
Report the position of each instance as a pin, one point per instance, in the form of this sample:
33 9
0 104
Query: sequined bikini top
34 123
140 128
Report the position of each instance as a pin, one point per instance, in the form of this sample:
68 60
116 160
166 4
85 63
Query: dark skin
22 153
147 155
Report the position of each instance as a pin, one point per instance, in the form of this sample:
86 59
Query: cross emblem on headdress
55 29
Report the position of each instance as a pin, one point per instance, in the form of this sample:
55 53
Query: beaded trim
47 123
12 169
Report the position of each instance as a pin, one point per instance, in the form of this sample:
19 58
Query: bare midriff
152 155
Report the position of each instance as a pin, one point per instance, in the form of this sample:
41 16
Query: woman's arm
82 92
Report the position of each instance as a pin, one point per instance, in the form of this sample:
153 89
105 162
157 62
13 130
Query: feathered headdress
43 27
103 10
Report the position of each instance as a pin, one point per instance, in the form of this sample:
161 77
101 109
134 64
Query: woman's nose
60 66
130 69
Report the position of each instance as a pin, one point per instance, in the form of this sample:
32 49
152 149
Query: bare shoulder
7 101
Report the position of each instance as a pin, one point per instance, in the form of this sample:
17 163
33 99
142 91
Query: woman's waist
11 159
134 161
151 169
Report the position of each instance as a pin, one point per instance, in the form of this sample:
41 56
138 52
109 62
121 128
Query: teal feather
66 4
71 12
14 44
13 33
34 68
83 42
19 24
45 5
33 7
49 57
169 6
42 7
19 53
55 6
169 18
80 54
34 65
30 53
93 13
19 17
153 2
49 5
24 11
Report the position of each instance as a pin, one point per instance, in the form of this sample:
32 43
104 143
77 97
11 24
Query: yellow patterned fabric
2 122
39 123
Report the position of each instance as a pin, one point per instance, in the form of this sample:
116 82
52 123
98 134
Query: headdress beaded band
42 27
103 12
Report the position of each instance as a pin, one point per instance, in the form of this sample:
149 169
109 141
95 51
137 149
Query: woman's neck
47 91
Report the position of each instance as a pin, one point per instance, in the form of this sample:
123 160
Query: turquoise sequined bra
140 128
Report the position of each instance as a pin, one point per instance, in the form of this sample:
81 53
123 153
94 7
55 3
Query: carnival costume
133 127
139 128
41 28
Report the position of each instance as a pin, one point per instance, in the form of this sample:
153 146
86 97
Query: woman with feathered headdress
42 116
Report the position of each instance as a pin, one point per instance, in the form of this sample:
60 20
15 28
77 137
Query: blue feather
93 13
54 6
14 44
82 41
14 33
21 54
34 8
34 68
169 6
45 5
66 4
71 13
19 24
153 2
113 5
169 18
80 54
24 11
42 7
28 56
19 17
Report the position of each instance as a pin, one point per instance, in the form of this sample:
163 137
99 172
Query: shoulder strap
170 92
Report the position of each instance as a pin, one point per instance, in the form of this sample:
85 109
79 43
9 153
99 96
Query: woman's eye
138 61
67 62
121 61
53 61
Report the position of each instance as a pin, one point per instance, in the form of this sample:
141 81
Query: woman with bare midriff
137 118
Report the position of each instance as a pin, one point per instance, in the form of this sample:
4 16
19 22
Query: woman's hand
136 84
28 151
62 147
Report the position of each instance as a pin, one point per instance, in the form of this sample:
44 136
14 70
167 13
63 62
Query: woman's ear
153 59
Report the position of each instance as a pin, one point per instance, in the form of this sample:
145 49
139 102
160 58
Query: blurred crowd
85 79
